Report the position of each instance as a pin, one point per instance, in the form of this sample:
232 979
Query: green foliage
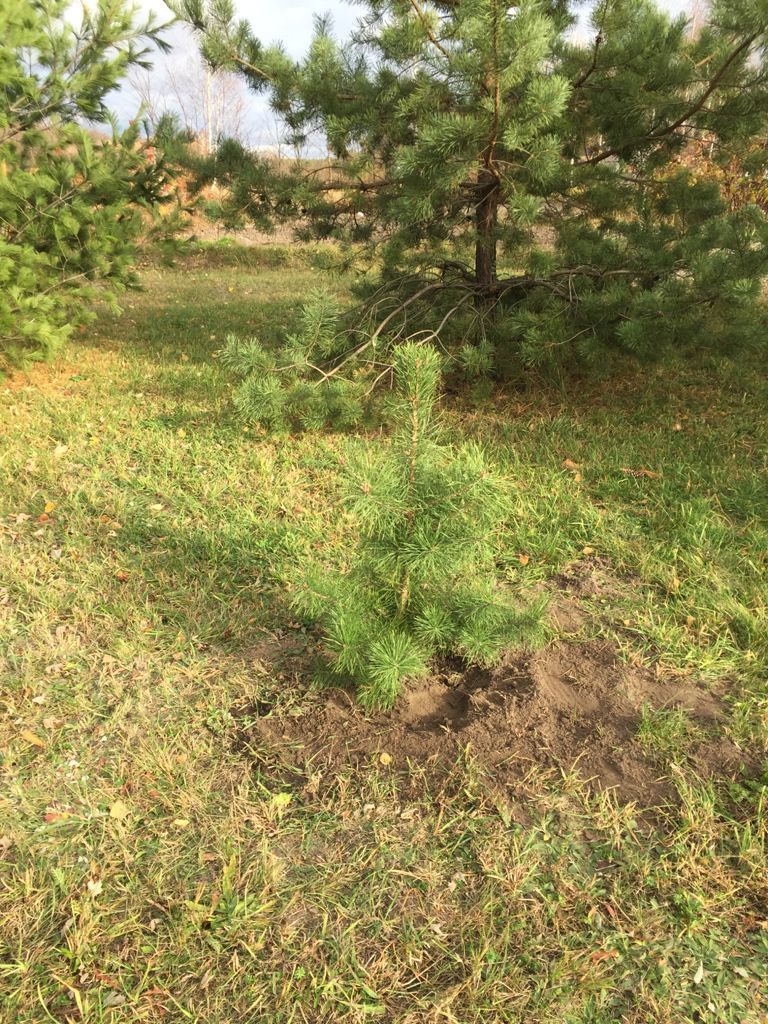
171 138
491 148
71 205
422 578
248 190
285 388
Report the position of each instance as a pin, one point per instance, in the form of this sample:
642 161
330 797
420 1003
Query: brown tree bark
486 217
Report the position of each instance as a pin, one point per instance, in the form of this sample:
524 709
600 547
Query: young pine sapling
422 577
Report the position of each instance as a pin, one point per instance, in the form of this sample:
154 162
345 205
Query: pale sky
291 22
287 21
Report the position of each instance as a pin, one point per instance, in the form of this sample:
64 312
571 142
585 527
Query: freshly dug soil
570 706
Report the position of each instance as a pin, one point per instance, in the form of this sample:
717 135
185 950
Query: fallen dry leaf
523 559
94 886
29 737
587 550
119 811
114 999
570 465
604 954
50 816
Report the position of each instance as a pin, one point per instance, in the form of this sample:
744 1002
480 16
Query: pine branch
252 68
596 50
430 34
593 66
661 133
345 185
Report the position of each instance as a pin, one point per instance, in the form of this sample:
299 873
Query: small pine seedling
422 579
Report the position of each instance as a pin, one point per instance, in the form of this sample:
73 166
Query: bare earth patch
572 706
566 707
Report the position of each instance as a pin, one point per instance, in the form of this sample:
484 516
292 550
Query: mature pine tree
509 158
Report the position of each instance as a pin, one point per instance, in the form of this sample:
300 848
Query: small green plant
422 579
281 388
666 732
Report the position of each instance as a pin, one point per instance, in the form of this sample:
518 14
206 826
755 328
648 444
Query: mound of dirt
567 707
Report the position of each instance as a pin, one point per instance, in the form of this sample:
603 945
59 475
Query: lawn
162 858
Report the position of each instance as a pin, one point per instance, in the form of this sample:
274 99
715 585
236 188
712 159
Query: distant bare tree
699 9
144 83
270 138
210 103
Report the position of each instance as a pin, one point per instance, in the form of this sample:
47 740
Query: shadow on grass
218 581
193 327
185 312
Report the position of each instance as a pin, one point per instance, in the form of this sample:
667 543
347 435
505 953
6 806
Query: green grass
666 732
149 872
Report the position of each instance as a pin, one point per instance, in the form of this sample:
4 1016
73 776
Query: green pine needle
392 659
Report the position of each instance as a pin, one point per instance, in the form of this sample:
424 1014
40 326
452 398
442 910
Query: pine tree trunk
486 216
